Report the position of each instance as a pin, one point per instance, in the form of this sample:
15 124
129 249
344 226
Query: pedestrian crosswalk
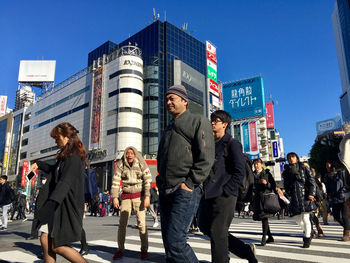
286 248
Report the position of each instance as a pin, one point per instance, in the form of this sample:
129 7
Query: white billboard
3 105
37 71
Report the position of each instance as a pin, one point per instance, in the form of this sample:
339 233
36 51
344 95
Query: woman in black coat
60 216
263 181
300 186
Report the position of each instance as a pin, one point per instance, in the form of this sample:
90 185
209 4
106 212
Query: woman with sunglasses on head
61 213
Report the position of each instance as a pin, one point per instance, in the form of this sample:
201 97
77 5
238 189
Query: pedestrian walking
218 203
263 182
7 196
185 157
300 186
61 213
136 178
153 208
336 192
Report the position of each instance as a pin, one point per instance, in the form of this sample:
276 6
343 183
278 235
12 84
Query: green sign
212 74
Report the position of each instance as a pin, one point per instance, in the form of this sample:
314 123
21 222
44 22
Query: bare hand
312 198
146 201
263 181
116 202
33 167
183 186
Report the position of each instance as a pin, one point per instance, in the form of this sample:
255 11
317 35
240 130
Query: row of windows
63 100
124 109
62 115
124 129
125 90
125 71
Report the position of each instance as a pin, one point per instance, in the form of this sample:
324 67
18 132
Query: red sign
270 121
252 136
211 52
24 172
214 86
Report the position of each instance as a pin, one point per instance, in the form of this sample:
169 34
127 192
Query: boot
270 239
320 232
346 235
307 242
263 241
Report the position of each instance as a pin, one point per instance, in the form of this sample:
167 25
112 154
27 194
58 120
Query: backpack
245 190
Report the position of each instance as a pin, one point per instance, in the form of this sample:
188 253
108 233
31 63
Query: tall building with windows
163 45
341 26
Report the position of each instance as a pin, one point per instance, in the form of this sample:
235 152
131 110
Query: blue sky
291 43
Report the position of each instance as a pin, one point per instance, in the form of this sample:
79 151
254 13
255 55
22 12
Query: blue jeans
176 213
4 216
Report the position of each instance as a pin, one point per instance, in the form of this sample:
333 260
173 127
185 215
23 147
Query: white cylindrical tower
130 99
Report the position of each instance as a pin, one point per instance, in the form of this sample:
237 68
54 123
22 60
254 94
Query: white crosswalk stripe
286 248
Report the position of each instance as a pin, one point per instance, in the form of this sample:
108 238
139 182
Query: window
23 155
25 142
26 129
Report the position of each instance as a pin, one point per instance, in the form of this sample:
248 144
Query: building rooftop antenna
154 15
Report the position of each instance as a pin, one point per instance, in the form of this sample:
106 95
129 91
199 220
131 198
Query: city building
5 137
170 56
341 26
25 96
117 100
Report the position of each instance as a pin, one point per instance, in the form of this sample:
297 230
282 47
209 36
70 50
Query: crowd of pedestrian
203 177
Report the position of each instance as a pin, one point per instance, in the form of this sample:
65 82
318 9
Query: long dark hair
74 145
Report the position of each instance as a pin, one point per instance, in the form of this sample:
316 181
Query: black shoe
307 242
84 251
263 241
270 239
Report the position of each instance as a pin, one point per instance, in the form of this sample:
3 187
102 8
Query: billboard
3 105
96 108
185 73
37 71
244 98
328 125
211 52
24 172
270 120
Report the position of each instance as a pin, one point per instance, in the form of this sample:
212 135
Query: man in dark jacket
185 157
220 194
6 198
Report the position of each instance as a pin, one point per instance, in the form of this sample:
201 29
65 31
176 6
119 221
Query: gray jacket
186 152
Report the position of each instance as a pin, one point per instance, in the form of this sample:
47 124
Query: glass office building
162 44
341 26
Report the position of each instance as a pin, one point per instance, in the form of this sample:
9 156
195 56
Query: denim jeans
4 217
176 213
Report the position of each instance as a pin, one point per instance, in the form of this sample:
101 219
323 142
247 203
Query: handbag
270 202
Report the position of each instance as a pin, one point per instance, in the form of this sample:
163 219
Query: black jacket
259 189
336 186
299 189
228 169
5 195
65 186
185 152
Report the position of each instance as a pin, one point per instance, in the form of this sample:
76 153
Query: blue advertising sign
328 125
245 132
275 153
244 98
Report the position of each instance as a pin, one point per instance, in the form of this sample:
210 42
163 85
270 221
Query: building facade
341 26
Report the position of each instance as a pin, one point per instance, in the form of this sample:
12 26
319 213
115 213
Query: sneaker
10 221
3 228
25 219
156 224
118 254
144 255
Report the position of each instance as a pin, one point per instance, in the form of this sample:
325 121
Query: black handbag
270 202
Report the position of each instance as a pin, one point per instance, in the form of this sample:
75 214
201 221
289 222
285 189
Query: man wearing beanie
185 156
